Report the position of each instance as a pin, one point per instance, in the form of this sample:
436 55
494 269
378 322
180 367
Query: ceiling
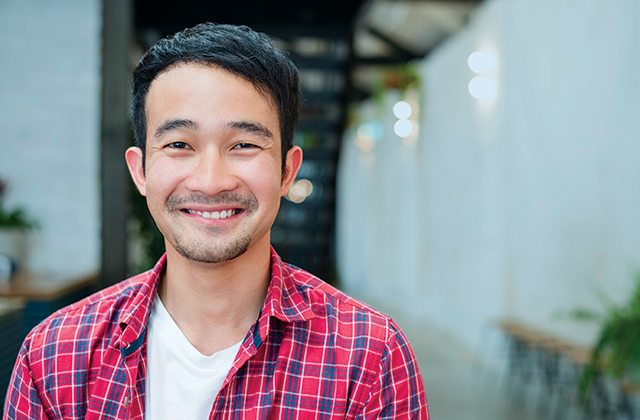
416 26
380 27
276 17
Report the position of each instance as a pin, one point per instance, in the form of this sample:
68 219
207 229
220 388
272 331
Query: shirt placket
130 398
248 349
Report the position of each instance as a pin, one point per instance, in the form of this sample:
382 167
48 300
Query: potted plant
13 226
617 350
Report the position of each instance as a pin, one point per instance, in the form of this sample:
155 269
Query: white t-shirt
181 382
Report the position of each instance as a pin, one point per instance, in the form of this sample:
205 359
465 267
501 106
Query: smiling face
212 177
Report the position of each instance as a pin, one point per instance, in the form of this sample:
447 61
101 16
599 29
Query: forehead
177 72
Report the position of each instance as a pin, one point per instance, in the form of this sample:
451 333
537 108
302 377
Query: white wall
49 125
525 205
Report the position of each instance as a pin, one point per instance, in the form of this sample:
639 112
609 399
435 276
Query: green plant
618 348
16 218
400 77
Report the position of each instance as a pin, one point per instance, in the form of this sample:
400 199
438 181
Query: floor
460 388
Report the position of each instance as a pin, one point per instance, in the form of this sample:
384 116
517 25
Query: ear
133 155
292 165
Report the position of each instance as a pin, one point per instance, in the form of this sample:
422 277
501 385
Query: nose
211 174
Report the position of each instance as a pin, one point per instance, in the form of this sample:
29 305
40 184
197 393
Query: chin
208 254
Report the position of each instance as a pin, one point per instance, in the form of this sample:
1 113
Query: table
46 293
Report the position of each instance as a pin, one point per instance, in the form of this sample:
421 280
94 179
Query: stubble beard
217 250
211 254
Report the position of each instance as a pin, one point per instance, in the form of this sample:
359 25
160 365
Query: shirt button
126 402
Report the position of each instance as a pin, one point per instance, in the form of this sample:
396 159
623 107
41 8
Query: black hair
236 49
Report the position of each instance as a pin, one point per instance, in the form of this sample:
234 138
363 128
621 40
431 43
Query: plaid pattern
314 353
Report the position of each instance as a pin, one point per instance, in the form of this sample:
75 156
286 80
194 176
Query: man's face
213 162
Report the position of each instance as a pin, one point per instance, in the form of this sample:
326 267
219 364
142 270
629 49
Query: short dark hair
237 49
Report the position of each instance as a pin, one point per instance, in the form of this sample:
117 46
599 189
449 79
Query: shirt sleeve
398 392
22 400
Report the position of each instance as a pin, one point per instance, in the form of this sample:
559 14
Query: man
220 328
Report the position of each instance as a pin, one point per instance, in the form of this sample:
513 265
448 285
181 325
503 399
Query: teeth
214 214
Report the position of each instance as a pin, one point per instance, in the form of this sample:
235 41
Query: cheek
161 182
262 177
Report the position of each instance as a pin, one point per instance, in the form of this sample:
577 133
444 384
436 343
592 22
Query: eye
244 146
178 145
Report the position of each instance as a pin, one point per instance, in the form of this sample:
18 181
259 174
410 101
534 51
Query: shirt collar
284 301
132 324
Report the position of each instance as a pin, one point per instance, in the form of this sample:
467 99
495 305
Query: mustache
248 202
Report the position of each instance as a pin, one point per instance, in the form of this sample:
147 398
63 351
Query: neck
215 304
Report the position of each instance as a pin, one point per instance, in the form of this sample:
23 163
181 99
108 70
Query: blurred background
471 168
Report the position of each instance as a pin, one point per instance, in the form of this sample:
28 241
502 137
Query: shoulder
360 342
346 315
92 318
318 291
309 283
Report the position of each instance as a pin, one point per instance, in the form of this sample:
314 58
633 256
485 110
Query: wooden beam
400 50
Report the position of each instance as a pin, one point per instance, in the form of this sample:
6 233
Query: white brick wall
50 125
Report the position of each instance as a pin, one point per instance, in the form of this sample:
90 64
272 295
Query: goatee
214 251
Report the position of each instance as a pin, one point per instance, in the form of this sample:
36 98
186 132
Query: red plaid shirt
314 353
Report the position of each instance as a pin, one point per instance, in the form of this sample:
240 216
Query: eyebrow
175 124
251 127
246 126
